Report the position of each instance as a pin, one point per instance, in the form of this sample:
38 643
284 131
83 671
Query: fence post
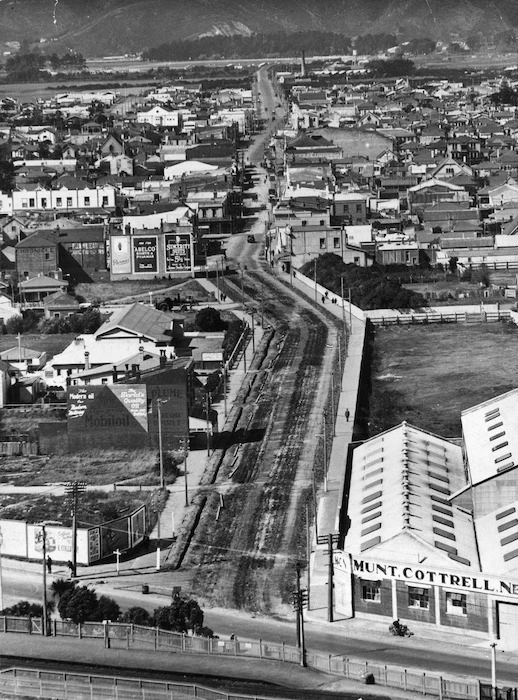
385 674
260 648
183 641
156 638
283 651
54 628
440 688
404 680
80 630
424 683
329 663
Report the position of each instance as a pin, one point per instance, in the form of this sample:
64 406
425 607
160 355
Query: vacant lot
427 375
135 290
97 467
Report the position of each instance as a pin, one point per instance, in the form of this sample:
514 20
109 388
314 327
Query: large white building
430 529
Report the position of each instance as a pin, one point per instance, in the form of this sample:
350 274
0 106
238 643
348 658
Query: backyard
427 375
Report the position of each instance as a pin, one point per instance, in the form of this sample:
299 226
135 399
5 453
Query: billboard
112 416
178 252
120 257
145 254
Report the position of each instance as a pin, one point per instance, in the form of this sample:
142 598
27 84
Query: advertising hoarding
120 256
145 254
178 252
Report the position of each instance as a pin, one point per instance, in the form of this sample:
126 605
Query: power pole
330 577
72 490
300 601
44 551
308 551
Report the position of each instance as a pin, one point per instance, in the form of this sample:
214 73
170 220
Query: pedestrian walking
49 565
347 414
323 300
70 567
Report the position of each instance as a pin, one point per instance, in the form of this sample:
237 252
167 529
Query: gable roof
138 320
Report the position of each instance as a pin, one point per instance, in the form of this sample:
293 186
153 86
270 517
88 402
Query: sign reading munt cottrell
466 580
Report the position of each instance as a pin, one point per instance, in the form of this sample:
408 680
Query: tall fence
135 637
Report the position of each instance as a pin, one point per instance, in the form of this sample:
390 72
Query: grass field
427 375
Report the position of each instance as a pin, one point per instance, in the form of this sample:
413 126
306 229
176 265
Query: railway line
244 555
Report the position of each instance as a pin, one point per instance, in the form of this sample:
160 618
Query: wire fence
135 637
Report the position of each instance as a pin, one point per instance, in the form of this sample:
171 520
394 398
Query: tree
209 320
137 616
107 608
481 276
182 615
23 609
60 586
78 604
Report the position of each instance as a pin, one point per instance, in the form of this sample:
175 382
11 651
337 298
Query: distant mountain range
107 27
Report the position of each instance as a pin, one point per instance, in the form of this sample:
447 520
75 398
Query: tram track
246 558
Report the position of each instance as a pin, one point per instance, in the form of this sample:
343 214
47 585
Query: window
418 597
371 591
24 204
456 604
104 380
322 244
87 201
32 202
356 261
59 201
346 209
47 256
105 201
43 203
358 208
56 314
336 242
322 222
69 201
303 222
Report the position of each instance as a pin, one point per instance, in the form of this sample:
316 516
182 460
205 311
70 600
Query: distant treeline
33 66
280 44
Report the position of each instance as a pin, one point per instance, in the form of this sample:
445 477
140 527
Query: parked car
250 238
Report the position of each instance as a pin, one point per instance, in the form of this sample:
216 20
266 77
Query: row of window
456 603
31 202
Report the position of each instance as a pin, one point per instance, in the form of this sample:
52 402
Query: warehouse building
430 528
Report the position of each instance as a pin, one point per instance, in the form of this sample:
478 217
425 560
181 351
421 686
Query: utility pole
350 313
343 301
44 551
315 278
494 690
299 603
1 583
158 562
325 451
217 280
207 402
160 447
330 582
308 551
224 372
72 490
262 304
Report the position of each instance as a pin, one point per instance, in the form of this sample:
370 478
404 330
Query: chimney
163 358
114 373
137 372
127 372
87 360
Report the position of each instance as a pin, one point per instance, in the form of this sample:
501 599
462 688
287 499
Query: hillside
103 27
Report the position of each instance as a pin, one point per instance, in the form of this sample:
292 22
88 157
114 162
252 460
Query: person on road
49 565
347 414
